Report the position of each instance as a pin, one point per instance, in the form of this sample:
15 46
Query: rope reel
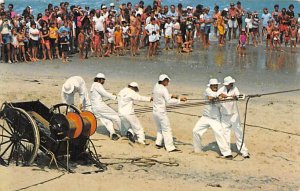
89 123
59 126
75 125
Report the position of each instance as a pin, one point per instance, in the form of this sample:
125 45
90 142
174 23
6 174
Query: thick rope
246 109
272 93
244 128
42 182
140 161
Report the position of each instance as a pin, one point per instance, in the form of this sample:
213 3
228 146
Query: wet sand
274 163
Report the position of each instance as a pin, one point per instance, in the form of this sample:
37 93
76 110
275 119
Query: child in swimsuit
21 39
221 29
293 37
133 34
81 43
276 38
286 36
118 35
15 45
125 28
242 42
269 30
179 41
97 44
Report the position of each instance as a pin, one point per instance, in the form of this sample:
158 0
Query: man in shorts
232 22
241 13
265 17
208 21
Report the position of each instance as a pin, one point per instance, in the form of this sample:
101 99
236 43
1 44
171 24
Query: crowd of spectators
107 30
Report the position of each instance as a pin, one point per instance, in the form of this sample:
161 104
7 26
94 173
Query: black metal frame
49 144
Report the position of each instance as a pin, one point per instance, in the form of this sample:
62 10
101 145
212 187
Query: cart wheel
19 137
64 108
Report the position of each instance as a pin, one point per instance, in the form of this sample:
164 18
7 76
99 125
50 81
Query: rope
141 161
42 182
187 114
53 158
275 130
147 109
180 106
272 93
205 102
260 127
246 109
244 127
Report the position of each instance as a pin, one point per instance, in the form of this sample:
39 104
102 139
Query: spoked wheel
19 137
64 108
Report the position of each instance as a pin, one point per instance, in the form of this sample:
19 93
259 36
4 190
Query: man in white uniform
130 122
161 97
230 117
102 111
211 118
72 85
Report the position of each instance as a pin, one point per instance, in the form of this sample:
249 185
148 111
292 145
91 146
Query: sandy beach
272 134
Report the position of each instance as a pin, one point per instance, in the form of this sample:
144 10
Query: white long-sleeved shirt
98 93
126 98
211 110
230 107
79 87
161 97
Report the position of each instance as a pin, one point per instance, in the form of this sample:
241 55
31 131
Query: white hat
189 7
68 87
213 81
104 7
228 80
134 84
225 9
100 75
112 4
162 77
2 1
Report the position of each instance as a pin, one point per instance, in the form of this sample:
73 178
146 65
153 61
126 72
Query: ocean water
251 5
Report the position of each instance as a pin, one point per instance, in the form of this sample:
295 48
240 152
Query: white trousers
232 23
69 99
132 123
164 131
233 122
201 127
107 116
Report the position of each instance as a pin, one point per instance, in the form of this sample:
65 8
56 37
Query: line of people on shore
222 117
104 31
